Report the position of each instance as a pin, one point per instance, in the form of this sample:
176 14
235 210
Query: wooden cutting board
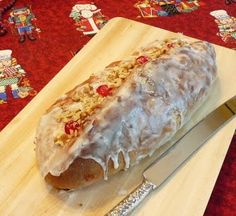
24 192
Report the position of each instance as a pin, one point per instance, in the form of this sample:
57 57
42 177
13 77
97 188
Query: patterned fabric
226 25
155 8
8 81
10 72
59 40
88 18
11 75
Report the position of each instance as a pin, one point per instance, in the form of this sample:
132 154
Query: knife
174 157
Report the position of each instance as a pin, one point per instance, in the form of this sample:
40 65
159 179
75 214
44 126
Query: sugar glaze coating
155 102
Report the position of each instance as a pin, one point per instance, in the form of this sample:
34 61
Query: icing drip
114 158
127 159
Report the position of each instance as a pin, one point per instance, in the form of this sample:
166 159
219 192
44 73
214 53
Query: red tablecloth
58 40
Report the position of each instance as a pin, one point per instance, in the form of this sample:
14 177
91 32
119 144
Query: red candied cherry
142 59
170 45
71 127
104 90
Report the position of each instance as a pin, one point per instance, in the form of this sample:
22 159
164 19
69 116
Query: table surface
59 40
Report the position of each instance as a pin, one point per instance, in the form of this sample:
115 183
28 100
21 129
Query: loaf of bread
122 115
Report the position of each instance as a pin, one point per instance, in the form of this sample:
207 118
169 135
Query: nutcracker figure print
88 18
13 76
226 25
23 20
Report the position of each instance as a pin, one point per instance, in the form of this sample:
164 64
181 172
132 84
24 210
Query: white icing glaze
153 104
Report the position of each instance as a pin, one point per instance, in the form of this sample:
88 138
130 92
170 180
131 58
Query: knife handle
127 205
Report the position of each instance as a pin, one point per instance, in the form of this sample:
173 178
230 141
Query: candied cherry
104 90
71 127
170 45
142 59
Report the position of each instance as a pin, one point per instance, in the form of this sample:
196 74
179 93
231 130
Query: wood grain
24 192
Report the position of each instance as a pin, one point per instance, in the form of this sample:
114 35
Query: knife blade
175 157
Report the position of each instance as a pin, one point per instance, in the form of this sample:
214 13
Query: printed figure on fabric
155 8
226 25
88 18
24 21
12 75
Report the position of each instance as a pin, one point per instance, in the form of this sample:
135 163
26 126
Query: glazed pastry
120 116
